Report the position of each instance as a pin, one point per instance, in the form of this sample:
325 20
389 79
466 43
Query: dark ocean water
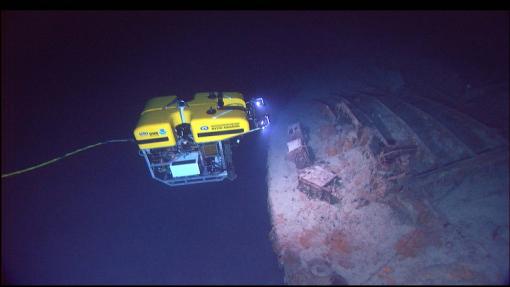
70 79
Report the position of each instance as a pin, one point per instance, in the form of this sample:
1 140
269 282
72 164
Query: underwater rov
190 142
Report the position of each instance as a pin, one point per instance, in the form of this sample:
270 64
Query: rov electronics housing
190 142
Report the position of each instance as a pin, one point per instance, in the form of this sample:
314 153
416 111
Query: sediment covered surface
421 191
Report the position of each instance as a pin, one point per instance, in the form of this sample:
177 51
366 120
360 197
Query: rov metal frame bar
185 180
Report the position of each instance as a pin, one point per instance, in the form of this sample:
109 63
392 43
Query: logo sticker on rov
160 132
204 128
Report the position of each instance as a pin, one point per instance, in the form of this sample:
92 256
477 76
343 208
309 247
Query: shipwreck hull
407 169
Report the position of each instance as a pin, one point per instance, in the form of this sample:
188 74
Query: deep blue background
71 79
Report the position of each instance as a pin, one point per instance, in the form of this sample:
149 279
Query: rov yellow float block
156 127
154 130
221 125
157 104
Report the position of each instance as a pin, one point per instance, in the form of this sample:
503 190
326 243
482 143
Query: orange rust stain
339 242
461 272
279 219
332 150
308 237
410 244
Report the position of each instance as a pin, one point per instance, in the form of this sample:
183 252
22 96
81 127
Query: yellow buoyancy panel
223 123
156 127
157 104
154 130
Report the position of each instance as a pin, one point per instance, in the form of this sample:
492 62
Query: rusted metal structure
297 149
390 193
317 182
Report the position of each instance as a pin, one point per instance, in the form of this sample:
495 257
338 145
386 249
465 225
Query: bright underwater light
259 102
264 122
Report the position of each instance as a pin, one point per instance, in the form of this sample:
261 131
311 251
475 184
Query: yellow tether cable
64 156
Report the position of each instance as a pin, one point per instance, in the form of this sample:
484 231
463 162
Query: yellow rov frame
190 142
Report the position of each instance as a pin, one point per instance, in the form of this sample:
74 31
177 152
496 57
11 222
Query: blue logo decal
204 128
162 132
